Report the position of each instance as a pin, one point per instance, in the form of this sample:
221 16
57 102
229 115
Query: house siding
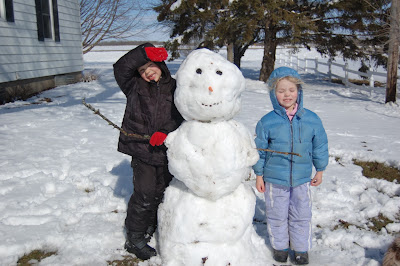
24 58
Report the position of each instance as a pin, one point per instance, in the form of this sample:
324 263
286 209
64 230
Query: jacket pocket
135 127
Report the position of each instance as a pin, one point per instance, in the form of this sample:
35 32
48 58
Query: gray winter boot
136 243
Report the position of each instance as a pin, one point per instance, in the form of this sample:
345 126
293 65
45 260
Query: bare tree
393 54
108 19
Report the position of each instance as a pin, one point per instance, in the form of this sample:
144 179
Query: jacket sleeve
176 118
125 70
320 148
262 143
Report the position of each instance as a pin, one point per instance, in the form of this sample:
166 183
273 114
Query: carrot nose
210 89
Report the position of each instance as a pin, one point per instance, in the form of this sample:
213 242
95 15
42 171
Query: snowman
207 212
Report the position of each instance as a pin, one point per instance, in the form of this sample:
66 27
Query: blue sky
155 32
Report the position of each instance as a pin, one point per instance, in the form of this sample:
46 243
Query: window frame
53 22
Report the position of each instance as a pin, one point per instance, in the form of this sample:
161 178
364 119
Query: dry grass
379 171
34 257
359 82
126 261
90 76
377 223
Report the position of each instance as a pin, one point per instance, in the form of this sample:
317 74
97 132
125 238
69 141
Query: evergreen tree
290 22
356 29
238 24
211 24
366 30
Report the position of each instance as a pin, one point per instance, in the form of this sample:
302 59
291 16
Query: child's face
286 93
150 71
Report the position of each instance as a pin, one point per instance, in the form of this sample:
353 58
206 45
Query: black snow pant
149 183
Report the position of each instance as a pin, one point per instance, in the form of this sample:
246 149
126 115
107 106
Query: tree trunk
393 54
229 52
270 44
237 55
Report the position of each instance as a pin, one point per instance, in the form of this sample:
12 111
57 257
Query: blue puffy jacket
304 135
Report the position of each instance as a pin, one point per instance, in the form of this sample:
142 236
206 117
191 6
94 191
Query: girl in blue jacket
285 179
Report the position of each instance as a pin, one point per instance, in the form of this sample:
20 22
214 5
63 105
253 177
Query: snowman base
197 231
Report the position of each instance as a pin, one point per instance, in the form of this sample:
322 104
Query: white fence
330 69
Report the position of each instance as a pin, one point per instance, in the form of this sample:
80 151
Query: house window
47 20
7 10
2 9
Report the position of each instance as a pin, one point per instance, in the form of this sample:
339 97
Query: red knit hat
156 54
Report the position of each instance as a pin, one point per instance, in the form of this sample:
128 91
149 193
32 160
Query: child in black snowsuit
149 88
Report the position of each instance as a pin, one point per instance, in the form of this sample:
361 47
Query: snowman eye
198 71
219 72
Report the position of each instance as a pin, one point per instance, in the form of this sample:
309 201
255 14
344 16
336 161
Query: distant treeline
157 43
112 43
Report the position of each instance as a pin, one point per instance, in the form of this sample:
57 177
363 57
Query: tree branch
97 112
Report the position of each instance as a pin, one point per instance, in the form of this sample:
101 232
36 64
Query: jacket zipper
157 105
291 156
299 131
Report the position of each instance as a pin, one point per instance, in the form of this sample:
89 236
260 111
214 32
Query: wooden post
346 73
305 64
393 54
371 78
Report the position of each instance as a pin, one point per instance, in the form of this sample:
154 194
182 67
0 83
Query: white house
40 46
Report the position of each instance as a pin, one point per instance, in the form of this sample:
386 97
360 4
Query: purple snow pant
289 216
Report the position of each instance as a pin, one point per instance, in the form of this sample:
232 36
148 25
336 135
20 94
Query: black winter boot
149 232
300 258
136 244
281 255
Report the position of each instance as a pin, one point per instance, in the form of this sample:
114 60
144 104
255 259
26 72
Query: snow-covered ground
64 187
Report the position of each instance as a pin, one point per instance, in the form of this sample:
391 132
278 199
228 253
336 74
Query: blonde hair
297 81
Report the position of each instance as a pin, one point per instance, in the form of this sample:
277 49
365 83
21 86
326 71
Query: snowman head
208 87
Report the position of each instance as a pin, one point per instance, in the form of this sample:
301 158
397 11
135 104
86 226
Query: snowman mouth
211 105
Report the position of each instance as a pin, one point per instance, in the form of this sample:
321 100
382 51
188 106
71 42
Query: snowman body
207 212
211 159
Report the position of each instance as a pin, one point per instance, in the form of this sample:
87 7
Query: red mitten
156 54
157 138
